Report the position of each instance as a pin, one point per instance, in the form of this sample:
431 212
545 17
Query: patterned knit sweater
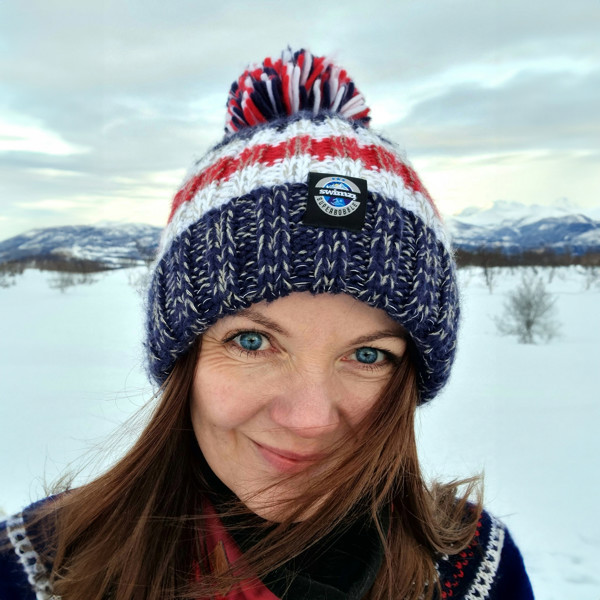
491 568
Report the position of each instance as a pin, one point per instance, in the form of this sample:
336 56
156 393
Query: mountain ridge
509 228
113 245
513 228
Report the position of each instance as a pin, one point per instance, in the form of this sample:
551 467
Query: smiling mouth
286 461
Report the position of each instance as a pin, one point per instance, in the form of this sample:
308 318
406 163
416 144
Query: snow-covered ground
71 371
529 415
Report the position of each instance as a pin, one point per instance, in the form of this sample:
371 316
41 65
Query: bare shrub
591 277
63 280
7 279
490 274
9 271
541 257
59 263
529 312
139 279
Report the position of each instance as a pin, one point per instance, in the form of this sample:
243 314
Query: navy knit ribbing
256 248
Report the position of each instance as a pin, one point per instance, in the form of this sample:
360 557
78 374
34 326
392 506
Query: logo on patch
336 200
337 196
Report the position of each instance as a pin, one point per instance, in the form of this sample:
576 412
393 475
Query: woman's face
278 384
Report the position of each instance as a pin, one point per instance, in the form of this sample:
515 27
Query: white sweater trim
37 574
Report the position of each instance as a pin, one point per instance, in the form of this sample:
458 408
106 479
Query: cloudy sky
104 104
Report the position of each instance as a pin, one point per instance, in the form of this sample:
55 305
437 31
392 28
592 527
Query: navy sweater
491 568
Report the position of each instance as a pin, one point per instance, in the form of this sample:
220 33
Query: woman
303 304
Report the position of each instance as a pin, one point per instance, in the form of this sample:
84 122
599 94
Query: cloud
82 68
30 138
54 204
142 86
551 111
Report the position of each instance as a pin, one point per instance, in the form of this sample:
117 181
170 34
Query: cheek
224 399
358 406
361 396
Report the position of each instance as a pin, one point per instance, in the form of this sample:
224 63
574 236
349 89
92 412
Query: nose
307 404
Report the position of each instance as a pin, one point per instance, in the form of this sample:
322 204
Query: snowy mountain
512 228
111 245
506 226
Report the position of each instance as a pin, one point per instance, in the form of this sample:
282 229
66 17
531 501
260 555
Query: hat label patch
336 201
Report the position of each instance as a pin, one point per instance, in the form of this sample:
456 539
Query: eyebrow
378 335
261 319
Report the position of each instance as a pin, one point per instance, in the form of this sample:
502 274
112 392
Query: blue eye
250 340
368 355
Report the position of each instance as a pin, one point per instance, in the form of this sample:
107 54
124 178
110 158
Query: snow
71 366
528 416
513 227
112 244
589 238
516 212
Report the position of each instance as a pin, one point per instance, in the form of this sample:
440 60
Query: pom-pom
298 81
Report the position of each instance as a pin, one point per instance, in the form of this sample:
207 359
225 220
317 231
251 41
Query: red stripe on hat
373 157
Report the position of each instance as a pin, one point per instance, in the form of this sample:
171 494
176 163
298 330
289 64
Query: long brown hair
136 531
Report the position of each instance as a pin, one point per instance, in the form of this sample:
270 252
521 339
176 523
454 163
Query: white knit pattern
488 569
29 559
316 130
295 169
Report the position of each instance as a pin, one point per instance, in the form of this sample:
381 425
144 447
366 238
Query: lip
285 460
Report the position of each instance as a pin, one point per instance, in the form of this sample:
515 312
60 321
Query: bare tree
6 279
139 279
529 312
490 274
591 276
9 271
63 280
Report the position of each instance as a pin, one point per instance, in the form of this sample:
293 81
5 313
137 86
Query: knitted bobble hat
301 195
